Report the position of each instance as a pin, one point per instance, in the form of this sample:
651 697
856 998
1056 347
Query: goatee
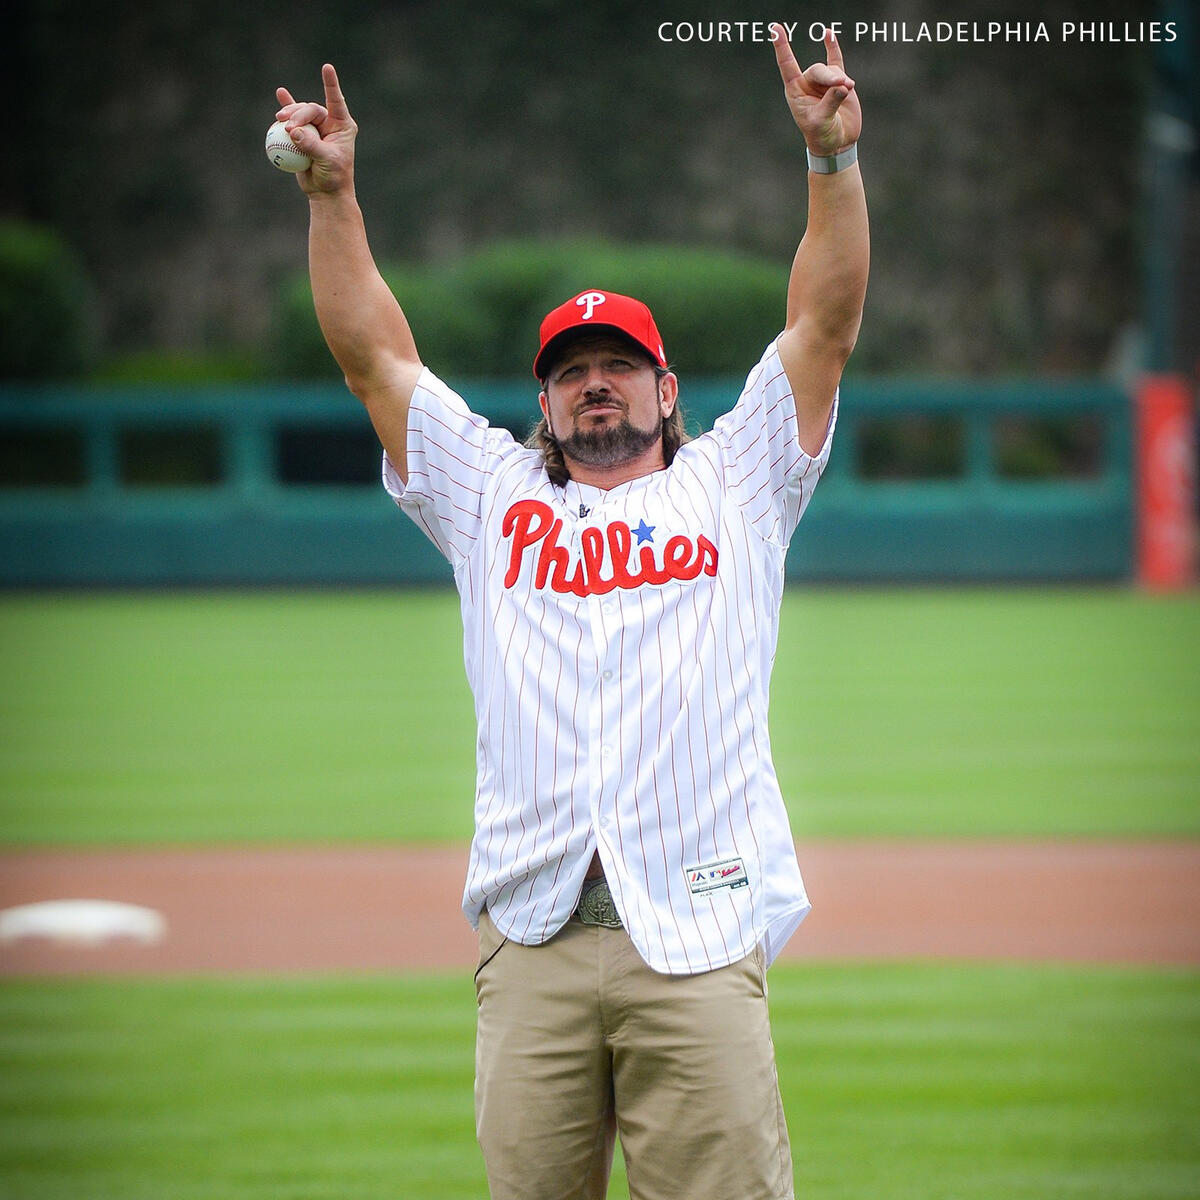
612 446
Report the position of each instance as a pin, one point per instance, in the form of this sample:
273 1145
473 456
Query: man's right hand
325 132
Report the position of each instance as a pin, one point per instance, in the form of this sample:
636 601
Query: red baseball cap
600 311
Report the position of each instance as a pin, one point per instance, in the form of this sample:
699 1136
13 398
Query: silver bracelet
831 164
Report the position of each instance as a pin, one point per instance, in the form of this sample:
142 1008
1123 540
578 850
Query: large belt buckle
596 905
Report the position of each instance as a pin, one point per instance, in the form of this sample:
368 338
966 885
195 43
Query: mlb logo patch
729 873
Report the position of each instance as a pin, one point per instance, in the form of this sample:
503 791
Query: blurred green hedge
182 367
47 303
480 315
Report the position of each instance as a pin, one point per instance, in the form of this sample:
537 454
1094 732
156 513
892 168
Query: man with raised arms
632 873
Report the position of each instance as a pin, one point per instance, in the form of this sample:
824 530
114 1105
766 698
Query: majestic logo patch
607 558
729 873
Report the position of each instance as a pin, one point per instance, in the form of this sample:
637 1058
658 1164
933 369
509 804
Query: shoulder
441 406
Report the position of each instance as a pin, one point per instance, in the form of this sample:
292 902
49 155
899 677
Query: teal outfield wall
279 485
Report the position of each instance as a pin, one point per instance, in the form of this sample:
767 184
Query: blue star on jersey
643 532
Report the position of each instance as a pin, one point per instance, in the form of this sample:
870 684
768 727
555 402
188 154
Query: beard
611 446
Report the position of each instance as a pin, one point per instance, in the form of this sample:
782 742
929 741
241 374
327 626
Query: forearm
828 282
361 320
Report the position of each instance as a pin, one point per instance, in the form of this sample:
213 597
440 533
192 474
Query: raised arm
360 318
828 282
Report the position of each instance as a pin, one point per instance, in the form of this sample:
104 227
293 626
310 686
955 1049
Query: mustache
605 401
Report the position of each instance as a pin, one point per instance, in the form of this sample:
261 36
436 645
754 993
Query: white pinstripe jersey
619 646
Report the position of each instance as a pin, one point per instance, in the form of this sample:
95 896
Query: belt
596 905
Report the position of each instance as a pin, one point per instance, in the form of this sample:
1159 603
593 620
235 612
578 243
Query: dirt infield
323 909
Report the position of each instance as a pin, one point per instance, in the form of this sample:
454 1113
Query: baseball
282 151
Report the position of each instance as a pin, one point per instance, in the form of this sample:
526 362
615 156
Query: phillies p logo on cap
598 310
588 302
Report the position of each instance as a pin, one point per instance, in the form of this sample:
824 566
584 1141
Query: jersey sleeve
766 472
451 453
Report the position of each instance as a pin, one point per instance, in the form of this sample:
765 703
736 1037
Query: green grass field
289 716
901 1083
230 717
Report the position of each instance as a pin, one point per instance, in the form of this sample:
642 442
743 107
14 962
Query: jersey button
606 676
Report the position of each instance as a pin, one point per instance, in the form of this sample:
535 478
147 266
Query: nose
596 382
597 379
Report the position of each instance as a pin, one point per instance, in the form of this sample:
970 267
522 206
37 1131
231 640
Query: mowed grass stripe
908 1082
327 716
215 717
990 712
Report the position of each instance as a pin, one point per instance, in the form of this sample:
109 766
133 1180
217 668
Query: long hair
674 435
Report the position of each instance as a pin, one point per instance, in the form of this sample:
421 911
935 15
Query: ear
544 405
668 393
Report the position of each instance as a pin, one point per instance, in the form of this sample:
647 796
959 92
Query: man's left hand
822 99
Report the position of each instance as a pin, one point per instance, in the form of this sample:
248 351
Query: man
632 872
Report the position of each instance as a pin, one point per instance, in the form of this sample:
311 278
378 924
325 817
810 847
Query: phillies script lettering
607 557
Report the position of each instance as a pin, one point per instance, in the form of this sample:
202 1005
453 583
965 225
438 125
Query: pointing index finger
789 68
335 102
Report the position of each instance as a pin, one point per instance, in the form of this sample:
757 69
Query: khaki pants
579 1040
